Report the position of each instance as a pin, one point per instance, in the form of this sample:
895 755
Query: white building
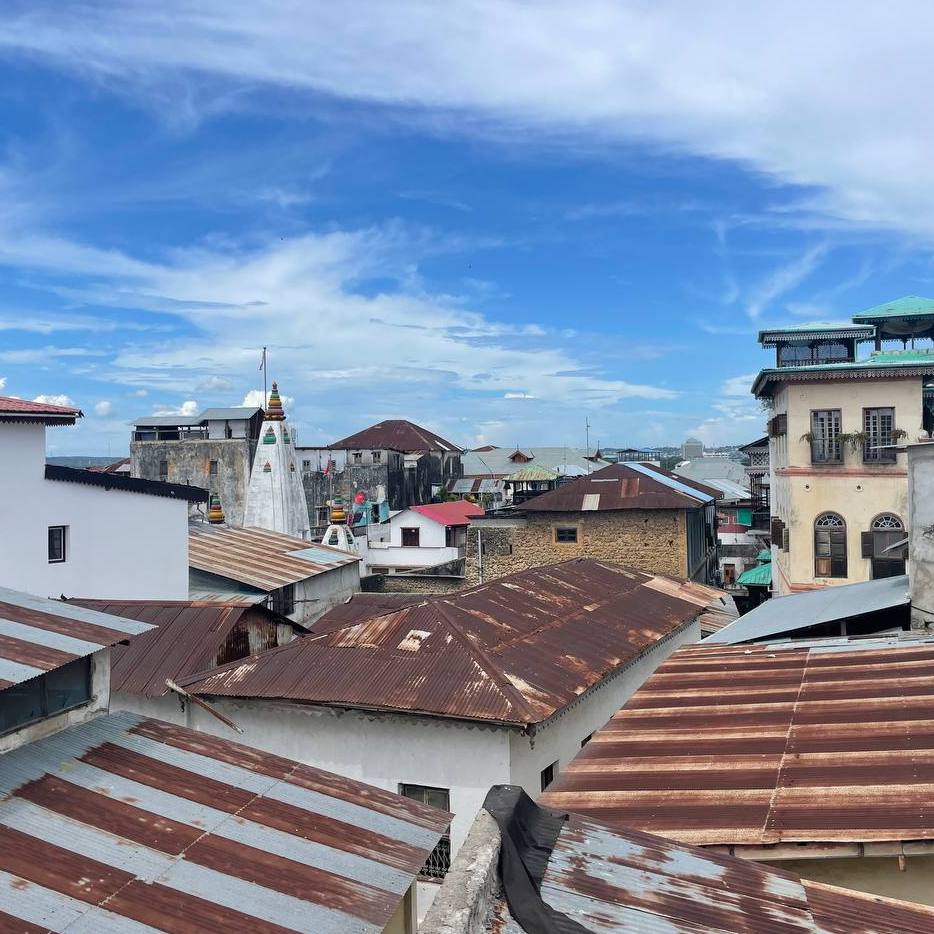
123 823
502 683
418 537
85 533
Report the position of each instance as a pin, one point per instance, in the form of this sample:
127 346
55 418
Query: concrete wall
119 545
857 491
877 875
921 519
653 539
412 583
316 595
189 462
391 553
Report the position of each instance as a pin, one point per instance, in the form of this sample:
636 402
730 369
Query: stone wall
411 583
653 539
190 462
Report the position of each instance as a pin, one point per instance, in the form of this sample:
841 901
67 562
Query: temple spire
274 410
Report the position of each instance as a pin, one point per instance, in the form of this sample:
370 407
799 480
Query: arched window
887 523
885 545
829 545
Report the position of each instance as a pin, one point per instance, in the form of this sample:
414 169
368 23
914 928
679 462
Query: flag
262 360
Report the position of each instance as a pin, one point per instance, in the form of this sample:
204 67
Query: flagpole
265 397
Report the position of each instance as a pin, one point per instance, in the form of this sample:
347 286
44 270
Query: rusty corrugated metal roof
127 824
38 635
187 637
764 744
515 650
620 486
364 606
613 881
260 558
396 435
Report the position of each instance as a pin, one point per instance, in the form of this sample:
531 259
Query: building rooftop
235 413
769 337
821 742
125 824
585 876
759 576
126 483
22 410
396 435
502 462
513 651
782 616
38 635
622 486
260 558
456 512
906 307
185 636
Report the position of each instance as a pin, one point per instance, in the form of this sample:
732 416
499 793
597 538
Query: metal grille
878 425
439 860
825 437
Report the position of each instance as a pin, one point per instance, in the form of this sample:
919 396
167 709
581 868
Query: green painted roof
764 555
760 576
888 357
908 306
816 326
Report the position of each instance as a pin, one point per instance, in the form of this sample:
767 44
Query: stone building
213 450
395 461
633 514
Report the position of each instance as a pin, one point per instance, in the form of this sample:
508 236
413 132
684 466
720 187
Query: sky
497 219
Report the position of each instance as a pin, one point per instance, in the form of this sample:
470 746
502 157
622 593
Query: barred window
878 424
439 860
825 437
829 545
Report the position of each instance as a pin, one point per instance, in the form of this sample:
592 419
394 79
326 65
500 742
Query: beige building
837 431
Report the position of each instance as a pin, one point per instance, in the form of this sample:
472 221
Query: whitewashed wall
120 545
387 549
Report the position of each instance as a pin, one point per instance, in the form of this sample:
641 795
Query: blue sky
496 219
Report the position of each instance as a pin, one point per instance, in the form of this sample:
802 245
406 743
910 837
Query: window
357 457
377 457
778 426
58 538
283 600
548 774
306 465
410 538
879 424
885 545
59 690
163 470
829 545
566 535
212 468
439 860
794 354
825 437
586 740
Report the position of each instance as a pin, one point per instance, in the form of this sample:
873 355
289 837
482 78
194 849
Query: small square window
548 774
377 457
410 538
58 538
357 457
566 536
586 740
212 468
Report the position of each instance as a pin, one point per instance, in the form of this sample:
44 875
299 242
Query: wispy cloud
784 279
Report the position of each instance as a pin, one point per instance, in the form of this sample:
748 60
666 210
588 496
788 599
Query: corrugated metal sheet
814 607
260 558
621 486
455 512
130 825
37 635
189 637
515 650
615 881
364 606
396 435
763 744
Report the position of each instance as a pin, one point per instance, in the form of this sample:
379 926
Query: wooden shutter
776 530
866 541
785 539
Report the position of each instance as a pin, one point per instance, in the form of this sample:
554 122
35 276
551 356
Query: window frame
832 439
283 600
212 468
438 864
64 541
877 436
548 774
838 564
410 529
42 683
560 530
163 469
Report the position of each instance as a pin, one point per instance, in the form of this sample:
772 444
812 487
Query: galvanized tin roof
785 615
125 824
455 512
612 881
621 486
260 558
514 651
38 635
762 744
186 638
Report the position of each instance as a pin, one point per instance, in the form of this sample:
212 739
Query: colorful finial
274 410
215 512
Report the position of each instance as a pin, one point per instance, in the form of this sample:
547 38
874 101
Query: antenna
587 427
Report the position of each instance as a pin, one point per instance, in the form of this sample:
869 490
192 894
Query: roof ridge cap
507 688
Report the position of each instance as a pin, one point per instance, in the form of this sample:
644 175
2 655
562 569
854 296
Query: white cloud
103 407
141 393
518 395
54 399
785 278
215 384
787 89
254 399
188 409
738 385
2 382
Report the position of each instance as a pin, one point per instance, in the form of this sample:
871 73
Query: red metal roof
129 824
619 486
396 435
13 409
456 512
515 650
189 636
365 606
765 744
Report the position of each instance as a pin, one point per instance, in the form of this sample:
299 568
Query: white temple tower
275 499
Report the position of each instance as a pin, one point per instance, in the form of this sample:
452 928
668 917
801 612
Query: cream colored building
838 426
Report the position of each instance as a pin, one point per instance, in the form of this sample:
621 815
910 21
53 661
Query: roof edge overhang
39 419
824 849
847 371
115 481
775 336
